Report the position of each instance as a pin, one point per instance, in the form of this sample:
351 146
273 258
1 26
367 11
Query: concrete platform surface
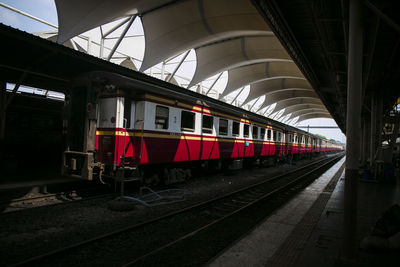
307 231
259 247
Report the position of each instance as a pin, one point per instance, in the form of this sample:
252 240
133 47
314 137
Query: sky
46 10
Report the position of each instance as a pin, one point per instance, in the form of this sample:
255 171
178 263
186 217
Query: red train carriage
116 123
156 130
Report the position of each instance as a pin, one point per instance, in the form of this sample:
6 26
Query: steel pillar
131 20
373 131
241 90
365 151
2 104
3 114
179 65
379 122
353 125
2 121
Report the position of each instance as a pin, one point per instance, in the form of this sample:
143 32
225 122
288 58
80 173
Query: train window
223 127
262 133
162 115
208 122
235 128
269 134
279 136
255 132
246 130
274 135
296 139
187 121
127 113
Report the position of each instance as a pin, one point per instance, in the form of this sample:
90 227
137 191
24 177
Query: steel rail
216 221
37 258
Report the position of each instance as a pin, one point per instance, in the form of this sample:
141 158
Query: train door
301 143
127 141
115 136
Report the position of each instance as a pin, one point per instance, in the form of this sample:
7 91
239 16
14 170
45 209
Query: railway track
190 236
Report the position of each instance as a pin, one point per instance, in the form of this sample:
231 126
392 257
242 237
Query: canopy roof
226 36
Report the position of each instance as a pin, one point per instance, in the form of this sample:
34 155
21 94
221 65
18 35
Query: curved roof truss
172 29
295 101
288 94
226 35
295 108
313 116
242 76
308 111
268 86
229 54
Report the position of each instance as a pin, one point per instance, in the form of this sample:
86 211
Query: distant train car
120 127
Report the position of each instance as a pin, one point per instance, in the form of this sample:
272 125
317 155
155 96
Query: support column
353 124
373 131
2 122
379 122
3 114
365 140
366 144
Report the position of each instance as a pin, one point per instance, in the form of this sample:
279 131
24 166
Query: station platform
307 231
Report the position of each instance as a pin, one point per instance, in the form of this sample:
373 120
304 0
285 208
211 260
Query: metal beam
255 103
319 127
14 91
353 125
2 116
372 140
131 20
241 90
29 16
385 18
104 35
177 67
370 53
216 80
2 120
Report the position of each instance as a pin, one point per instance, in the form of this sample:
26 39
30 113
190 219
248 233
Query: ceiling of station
315 32
226 35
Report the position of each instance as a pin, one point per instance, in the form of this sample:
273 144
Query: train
150 131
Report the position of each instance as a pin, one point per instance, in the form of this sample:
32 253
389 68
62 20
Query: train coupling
79 164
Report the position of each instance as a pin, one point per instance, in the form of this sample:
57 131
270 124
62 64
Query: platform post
3 114
367 133
379 122
373 131
2 121
365 141
353 126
